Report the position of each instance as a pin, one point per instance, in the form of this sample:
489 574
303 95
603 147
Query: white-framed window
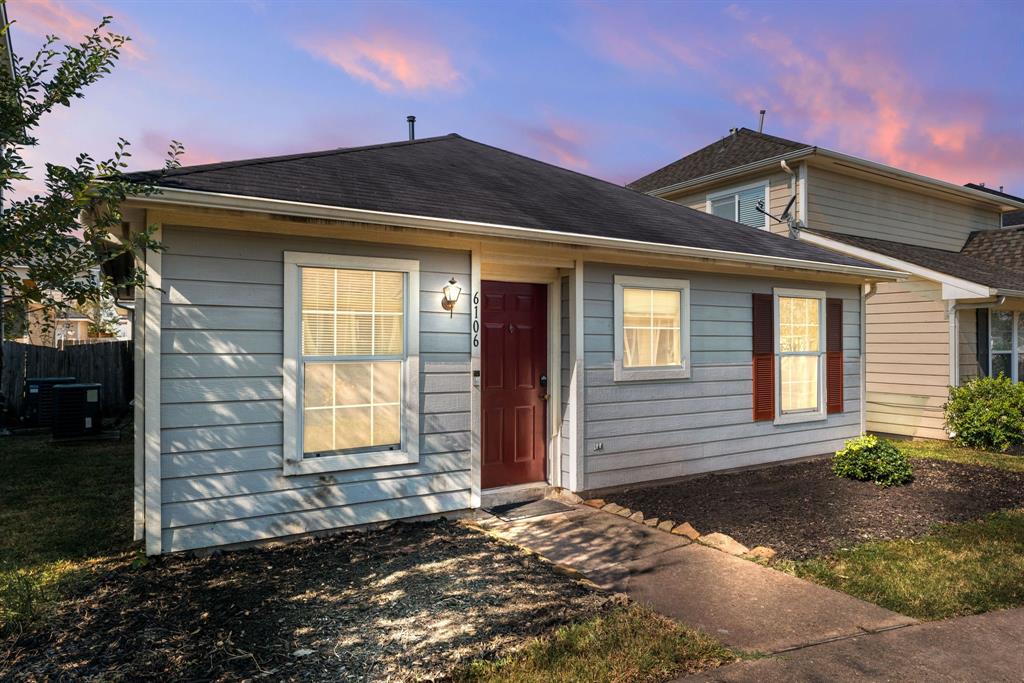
740 204
652 328
351 362
1006 344
800 355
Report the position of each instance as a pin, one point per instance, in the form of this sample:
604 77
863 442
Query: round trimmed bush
987 413
868 458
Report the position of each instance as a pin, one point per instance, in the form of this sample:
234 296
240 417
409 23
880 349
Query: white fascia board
957 288
216 200
772 163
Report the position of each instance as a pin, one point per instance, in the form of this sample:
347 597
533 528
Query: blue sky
611 89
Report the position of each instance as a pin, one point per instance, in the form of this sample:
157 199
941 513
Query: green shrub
868 458
987 413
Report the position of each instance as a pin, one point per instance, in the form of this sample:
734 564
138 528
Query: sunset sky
611 89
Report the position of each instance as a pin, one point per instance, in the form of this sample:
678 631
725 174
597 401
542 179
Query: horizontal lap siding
222 405
907 359
654 430
861 207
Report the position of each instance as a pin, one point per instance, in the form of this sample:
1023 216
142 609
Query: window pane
799 324
318 289
724 207
799 377
666 347
387 335
388 290
1001 329
355 290
1001 364
354 333
387 429
665 308
636 307
637 351
317 389
352 384
387 382
317 334
748 213
352 428
318 430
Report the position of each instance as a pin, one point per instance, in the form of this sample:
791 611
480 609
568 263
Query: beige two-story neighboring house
959 314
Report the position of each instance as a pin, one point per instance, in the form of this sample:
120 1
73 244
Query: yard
408 602
950 543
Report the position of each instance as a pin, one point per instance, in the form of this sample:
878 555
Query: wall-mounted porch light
452 290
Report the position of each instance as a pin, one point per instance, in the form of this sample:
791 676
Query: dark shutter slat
834 355
982 339
763 344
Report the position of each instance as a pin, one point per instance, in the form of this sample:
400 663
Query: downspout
866 292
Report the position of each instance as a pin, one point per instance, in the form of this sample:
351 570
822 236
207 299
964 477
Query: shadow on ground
411 601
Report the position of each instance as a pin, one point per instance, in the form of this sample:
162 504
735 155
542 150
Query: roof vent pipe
760 125
412 126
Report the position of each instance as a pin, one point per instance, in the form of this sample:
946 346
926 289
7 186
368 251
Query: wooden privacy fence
108 363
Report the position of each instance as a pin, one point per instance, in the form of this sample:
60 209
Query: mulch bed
803 510
409 602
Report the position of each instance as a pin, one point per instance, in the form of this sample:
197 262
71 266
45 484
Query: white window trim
1014 341
409 453
718 194
680 371
782 418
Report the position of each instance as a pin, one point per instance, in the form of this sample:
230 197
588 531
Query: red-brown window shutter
834 355
764 356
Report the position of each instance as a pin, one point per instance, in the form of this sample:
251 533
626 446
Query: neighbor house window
800 349
652 325
1006 342
350 362
740 204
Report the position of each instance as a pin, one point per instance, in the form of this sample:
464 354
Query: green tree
58 237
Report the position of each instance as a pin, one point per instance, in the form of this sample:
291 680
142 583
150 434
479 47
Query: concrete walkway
742 603
987 647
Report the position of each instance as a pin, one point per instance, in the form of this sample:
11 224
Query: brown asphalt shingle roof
745 146
994 258
454 178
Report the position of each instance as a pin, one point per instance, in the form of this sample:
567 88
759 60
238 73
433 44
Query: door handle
544 385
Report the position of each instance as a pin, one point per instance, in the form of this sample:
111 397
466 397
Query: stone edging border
716 540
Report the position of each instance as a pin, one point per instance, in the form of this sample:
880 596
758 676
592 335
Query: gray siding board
221 397
309 521
650 430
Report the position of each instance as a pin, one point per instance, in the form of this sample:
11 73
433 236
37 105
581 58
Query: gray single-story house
358 335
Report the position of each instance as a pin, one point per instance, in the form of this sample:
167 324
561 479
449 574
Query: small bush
868 458
987 413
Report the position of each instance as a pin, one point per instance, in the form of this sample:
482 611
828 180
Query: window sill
797 418
621 374
348 461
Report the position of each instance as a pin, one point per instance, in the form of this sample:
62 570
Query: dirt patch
803 510
405 603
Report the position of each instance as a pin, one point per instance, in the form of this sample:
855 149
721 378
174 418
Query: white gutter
898 174
216 200
769 163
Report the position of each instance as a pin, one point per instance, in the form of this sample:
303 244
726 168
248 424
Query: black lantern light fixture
452 290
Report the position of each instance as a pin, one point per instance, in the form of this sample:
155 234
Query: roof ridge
787 141
255 161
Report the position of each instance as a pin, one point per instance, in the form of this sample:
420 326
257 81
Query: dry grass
628 645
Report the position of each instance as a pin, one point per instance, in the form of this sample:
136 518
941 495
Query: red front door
513 368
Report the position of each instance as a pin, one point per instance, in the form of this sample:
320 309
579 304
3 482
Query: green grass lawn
943 450
629 644
958 569
66 512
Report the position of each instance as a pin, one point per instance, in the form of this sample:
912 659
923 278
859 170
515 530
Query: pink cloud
560 142
633 41
389 59
48 17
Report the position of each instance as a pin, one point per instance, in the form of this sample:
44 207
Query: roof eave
216 200
731 172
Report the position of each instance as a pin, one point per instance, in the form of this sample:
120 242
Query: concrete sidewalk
987 647
740 602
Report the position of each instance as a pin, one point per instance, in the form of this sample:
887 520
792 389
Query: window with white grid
800 317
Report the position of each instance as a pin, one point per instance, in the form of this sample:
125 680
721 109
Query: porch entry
514 383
